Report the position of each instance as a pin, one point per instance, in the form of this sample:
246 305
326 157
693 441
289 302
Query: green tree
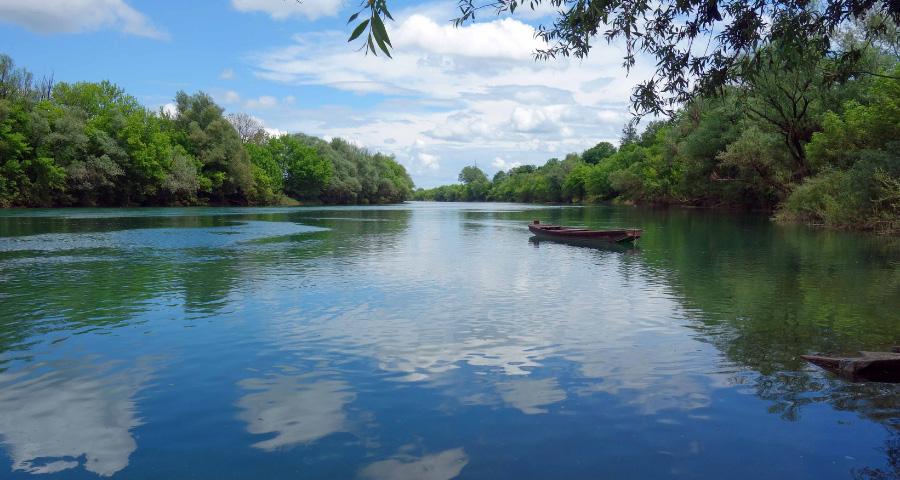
226 175
267 174
476 183
858 157
306 173
598 152
629 135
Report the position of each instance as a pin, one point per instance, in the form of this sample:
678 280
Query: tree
247 127
306 173
857 156
476 183
598 152
268 175
226 175
472 174
629 135
673 31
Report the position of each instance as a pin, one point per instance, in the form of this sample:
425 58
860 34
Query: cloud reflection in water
53 413
527 394
440 466
296 407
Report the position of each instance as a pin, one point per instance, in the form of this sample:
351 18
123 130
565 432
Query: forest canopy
92 144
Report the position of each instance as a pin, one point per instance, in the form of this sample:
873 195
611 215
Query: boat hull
583 234
871 366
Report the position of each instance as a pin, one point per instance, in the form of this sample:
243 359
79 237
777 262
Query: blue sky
449 98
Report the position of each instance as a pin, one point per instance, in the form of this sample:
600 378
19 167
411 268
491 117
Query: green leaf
383 47
379 30
372 46
353 17
358 30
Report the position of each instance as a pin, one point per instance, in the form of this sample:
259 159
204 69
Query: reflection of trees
891 450
763 295
766 294
93 268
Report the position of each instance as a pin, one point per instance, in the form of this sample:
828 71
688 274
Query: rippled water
436 341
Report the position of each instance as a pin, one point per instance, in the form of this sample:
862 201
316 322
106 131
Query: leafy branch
377 33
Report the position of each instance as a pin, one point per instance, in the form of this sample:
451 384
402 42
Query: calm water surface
438 341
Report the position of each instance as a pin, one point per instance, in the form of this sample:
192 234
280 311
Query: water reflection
891 449
297 408
452 314
528 394
57 415
439 466
627 248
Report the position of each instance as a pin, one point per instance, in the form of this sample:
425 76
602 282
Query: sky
449 98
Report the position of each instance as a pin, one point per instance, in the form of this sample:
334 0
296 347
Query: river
437 341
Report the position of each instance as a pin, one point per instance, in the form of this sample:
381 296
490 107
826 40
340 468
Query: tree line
792 138
91 144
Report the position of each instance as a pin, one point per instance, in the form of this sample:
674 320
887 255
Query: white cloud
76 16
263 102
430 161
501 164
274 132
533 120
170 108
227 74
462 128
472 92
504 38
283 10
227 97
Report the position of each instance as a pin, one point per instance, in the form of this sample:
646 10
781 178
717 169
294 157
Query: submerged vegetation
799 141
91 144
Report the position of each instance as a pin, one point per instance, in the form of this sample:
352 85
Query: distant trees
476 184
306 174
90 143
599 152
788 140
359 177
225 172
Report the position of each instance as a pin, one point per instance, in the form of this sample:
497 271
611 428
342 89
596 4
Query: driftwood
869 367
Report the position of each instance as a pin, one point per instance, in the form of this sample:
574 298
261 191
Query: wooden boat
871 366
627 248
569 233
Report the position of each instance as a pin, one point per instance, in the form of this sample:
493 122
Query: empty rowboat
570 233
